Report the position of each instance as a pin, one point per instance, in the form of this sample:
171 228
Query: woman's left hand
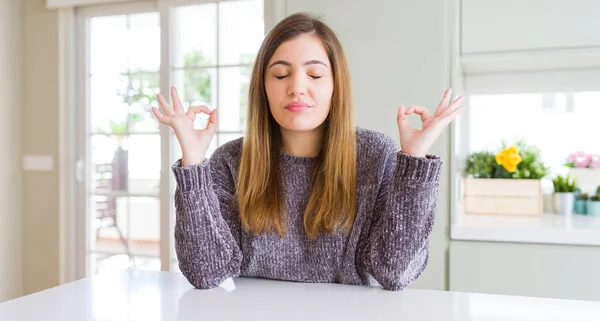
417 142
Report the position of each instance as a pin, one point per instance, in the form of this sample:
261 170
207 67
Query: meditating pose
305 195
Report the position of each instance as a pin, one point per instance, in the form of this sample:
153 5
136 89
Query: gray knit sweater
387 245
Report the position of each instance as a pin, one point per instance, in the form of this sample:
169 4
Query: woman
305 196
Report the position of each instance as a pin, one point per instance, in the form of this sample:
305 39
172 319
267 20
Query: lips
297 106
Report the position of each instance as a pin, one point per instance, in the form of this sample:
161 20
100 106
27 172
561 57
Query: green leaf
481 165
564 184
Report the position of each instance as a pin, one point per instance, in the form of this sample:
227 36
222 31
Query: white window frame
83 223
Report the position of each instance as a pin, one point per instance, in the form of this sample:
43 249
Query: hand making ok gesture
417 142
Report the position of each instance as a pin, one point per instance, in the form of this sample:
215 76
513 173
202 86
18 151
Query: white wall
10 91
514 25
398 54
540 270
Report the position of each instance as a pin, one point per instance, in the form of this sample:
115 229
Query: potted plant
504 182
585 168
563 198
593 204
581 201
582 160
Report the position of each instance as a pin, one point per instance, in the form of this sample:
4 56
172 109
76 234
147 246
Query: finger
402 118
456 103
450 115
419 110
192 111
177 106
161 118
444 102
213 121
164 105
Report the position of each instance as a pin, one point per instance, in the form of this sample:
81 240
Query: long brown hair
260 194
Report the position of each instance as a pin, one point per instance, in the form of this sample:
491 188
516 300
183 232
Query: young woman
305 196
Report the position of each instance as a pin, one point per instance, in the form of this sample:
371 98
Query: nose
297 86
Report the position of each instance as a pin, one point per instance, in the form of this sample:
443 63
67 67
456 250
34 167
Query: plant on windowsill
586 168
593 205
563 198
520 161
581 201
505 182
582 160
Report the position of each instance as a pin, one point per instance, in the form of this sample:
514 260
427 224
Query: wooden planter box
503 196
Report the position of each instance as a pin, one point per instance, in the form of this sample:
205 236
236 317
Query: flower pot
563 203
593 208
581 206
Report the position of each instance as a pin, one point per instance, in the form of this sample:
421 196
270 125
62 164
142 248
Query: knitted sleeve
207 228
404 213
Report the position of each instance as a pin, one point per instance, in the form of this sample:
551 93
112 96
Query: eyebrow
310 62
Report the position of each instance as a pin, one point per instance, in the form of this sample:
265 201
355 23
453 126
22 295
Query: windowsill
542 229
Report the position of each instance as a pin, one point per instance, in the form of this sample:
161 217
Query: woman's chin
299 126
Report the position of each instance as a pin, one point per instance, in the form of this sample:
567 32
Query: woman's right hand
194 142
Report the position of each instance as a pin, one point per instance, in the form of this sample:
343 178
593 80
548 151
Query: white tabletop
143 295
543 229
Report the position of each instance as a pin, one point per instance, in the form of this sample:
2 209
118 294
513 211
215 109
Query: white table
143 295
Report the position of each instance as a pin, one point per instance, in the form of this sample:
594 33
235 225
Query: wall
40 190
540 270
534 25
398 54
10 110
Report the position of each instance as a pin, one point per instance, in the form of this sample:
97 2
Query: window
127 156
213 47
123 140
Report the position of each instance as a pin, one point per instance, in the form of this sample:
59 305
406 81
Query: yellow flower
500 157
515 158
510 167
509 158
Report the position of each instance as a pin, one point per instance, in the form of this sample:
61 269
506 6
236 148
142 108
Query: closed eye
313 77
